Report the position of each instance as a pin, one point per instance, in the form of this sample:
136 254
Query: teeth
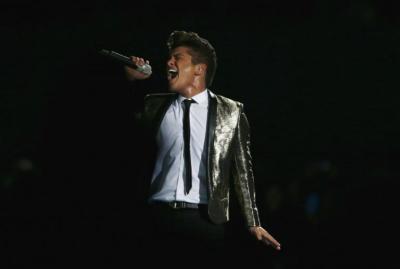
172 73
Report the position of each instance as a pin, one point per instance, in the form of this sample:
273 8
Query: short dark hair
202 50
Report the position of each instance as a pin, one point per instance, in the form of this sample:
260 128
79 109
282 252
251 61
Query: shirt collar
200 98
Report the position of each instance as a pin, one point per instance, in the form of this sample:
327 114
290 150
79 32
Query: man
202 142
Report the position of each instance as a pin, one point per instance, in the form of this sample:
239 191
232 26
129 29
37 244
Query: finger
147 62
141 62
259 235
273 244
137 61
271 241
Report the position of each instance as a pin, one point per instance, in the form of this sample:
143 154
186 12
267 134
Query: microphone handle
118 57
126 60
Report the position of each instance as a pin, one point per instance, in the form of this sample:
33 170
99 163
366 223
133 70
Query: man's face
180 70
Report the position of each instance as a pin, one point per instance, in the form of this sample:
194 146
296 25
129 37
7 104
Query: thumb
258 234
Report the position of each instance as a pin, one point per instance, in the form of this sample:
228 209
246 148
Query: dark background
318 80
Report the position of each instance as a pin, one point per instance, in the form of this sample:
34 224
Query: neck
189 93
197 87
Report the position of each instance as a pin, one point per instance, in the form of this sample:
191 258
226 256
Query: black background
318 80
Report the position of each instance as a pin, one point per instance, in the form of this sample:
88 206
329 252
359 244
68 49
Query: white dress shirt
167 182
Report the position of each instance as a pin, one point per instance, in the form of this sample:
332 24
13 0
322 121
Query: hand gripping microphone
145 69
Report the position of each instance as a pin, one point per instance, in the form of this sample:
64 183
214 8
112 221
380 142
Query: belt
178 204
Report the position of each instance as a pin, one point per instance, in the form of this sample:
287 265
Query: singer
202 142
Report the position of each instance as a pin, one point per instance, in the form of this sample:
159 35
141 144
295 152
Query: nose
171 62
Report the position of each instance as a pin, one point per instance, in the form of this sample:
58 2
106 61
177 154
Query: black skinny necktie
186 140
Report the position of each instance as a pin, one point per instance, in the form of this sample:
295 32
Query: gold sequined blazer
228 148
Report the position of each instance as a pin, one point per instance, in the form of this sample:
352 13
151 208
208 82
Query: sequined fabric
228 153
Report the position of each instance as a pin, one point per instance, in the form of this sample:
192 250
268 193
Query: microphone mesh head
145 69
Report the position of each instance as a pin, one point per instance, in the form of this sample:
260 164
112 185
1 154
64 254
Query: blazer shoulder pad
154 96
229 102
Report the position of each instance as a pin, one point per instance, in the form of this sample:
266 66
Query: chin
173 89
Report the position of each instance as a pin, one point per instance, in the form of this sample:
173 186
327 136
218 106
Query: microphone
145 69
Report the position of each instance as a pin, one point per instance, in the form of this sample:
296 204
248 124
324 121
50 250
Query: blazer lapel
211 123
223 118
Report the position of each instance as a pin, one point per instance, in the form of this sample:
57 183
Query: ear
200 69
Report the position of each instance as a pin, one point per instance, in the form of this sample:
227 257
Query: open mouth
172 73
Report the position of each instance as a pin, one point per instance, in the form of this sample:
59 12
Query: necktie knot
188 102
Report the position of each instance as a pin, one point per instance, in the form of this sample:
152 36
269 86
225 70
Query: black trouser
184 233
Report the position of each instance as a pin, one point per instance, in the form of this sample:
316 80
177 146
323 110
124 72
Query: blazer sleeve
243 171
